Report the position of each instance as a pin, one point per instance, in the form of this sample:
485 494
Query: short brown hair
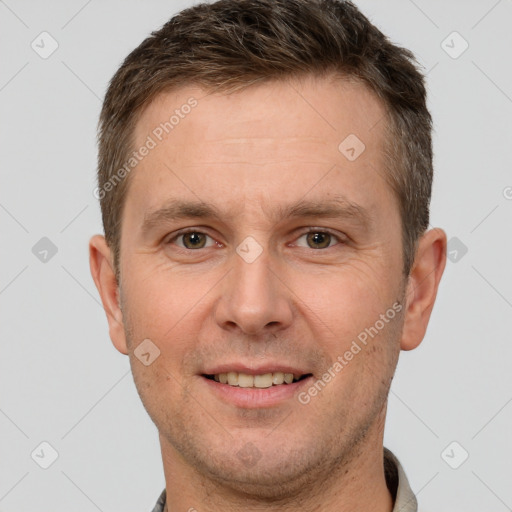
231 44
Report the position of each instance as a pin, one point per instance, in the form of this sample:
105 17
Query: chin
259 467
272 480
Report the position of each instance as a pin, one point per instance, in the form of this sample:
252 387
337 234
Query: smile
265 380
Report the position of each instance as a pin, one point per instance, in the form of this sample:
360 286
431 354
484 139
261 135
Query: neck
354 484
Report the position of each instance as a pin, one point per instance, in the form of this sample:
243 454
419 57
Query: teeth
277 378
266 380
245 381
263 381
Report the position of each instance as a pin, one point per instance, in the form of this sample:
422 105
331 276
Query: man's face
249 290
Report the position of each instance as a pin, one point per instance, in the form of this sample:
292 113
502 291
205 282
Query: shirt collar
405 501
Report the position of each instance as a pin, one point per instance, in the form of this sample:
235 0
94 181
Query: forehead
278 137
319 108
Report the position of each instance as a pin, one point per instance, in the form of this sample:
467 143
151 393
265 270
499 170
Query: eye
318 239
191 240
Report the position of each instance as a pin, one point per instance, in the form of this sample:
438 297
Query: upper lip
256 369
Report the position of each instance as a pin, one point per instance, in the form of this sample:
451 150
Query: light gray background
62 381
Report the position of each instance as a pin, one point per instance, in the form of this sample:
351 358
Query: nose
254 298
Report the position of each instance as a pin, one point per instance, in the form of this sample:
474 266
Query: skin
301 302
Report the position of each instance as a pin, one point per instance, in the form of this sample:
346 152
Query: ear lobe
422 286
100 261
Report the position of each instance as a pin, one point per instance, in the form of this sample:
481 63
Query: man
265 170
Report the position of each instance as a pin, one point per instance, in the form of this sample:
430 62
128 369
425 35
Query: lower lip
252 398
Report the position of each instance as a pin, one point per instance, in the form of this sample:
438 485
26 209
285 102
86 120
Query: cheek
344 302
162 303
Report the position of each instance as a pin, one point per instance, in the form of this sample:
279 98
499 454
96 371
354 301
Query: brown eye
318 240
189 239
193 240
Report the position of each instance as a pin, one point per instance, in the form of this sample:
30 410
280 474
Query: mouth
261 381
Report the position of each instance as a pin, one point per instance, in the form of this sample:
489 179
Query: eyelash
186 231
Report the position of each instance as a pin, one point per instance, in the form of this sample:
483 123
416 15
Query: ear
422 286
100 261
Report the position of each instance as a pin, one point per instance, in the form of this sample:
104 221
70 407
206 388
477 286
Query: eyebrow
337 207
